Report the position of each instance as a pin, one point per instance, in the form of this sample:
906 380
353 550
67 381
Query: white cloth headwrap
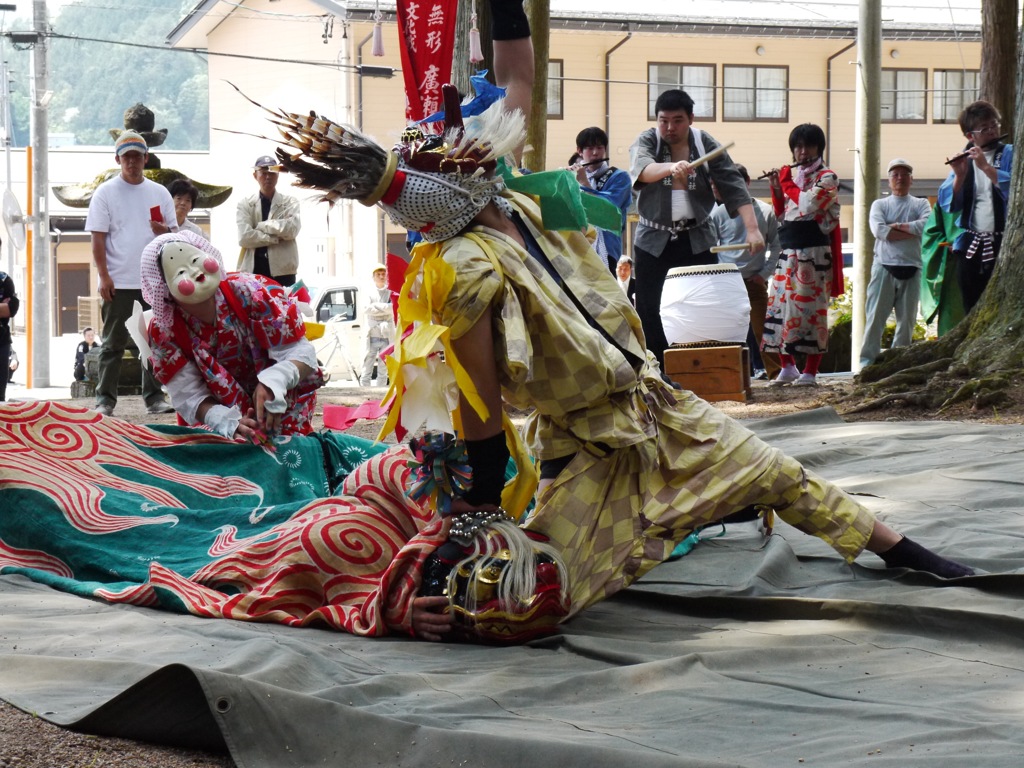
154 286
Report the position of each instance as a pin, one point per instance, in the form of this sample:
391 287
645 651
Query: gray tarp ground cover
742 653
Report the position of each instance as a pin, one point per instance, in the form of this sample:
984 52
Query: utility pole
41 305
5 115
865 188
5 83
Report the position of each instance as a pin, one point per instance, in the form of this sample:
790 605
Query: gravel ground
27 741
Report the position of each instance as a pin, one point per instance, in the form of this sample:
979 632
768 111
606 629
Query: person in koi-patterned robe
810 269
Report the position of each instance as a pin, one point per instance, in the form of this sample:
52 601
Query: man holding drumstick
672 167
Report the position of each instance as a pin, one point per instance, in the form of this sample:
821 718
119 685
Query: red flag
396 277
427 31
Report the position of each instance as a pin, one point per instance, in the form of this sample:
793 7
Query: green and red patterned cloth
316 532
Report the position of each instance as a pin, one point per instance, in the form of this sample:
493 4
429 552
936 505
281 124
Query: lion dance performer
531 317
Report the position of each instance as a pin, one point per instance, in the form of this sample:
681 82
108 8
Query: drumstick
737 247
711 155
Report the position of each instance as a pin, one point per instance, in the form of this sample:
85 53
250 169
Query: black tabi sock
909 554
508 20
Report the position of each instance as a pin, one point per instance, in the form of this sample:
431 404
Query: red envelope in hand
154 214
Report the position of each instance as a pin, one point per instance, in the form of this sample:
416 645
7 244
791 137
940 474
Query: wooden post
865 188
535 156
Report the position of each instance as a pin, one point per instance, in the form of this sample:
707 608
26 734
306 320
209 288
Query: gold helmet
504 585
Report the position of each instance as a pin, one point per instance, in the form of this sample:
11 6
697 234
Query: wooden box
712 373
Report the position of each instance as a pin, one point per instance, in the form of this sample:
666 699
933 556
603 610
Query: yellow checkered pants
614 518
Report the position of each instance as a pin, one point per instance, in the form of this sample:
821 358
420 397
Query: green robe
940 292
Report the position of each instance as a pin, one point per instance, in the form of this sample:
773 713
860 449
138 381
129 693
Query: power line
204 52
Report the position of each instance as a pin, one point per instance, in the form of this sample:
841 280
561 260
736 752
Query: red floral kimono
251 320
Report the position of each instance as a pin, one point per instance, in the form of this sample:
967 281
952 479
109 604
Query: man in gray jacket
675 202
268 223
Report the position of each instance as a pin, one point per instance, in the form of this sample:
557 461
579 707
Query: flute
577 166
967 151
766 174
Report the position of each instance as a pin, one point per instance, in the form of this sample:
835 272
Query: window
755 93
336 303
555 90
698 80
903 95
954 90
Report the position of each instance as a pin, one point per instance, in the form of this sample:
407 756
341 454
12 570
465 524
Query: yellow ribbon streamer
428 281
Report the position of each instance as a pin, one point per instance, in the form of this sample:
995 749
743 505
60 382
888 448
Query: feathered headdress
430 184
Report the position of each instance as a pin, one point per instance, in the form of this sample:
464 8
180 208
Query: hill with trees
105 56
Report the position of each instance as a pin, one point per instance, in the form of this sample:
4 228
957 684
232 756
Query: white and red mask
192 276
156 283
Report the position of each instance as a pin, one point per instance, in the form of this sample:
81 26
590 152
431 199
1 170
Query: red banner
427 29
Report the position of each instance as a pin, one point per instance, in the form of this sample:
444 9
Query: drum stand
712 370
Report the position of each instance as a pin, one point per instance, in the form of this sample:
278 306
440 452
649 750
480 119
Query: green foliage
93 83
841 307
841 312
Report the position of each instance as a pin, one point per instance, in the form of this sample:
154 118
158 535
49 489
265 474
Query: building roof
206 15
774 19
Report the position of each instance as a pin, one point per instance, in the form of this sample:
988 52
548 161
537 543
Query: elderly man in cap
125 214
380 327
897 222
268 223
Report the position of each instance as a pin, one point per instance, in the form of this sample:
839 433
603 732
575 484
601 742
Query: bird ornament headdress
432 184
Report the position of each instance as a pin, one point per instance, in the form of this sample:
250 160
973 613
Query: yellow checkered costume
646 471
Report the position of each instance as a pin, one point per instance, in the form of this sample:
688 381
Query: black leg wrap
909 554
488 458
508 20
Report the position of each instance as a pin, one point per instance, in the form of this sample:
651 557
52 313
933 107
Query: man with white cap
268 223
380 327
897 222
125 213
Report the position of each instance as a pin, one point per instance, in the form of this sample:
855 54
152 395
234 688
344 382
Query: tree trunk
535 154
999 57
538 12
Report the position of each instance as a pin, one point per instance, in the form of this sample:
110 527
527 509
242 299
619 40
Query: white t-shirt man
122 211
